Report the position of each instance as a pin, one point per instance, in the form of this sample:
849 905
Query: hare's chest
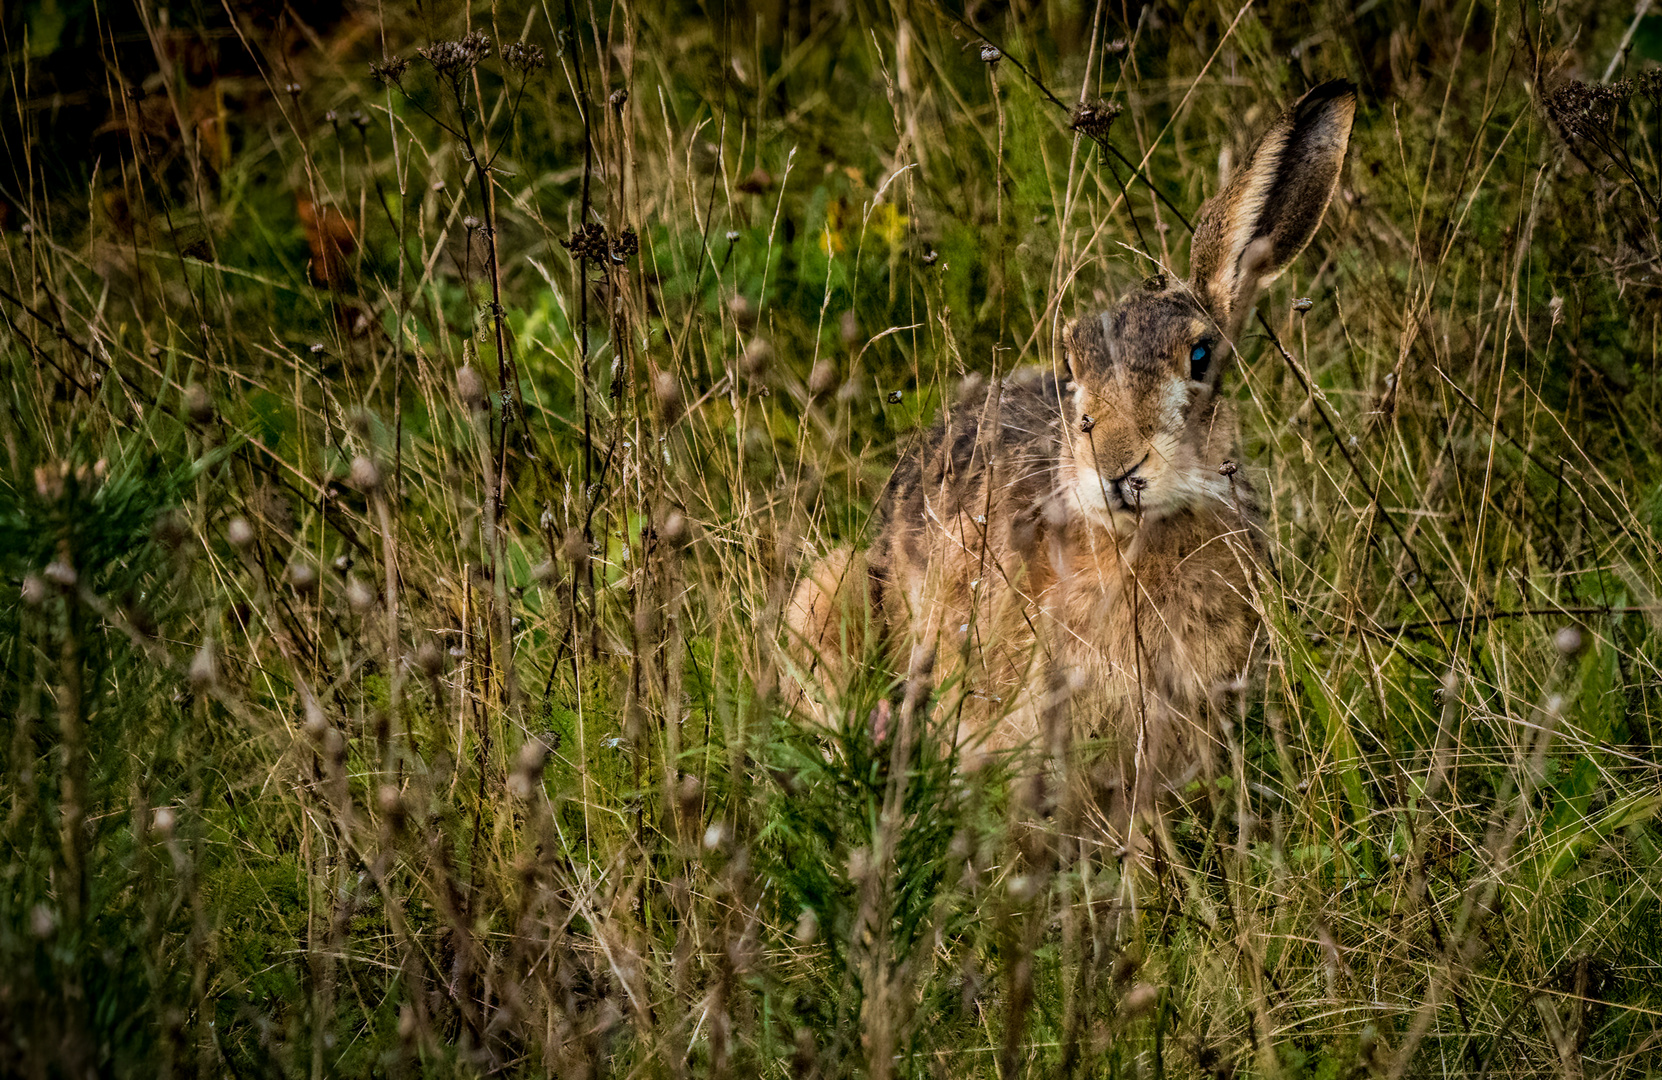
1171 617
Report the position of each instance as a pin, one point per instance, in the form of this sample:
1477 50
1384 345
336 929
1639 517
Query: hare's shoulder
1004 430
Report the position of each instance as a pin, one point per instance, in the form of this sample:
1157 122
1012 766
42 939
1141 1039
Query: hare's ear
1256 226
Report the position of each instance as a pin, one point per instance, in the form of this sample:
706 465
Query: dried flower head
1586 112
389 69
1093 119
990 53
452 59
588 242
525 58
591 242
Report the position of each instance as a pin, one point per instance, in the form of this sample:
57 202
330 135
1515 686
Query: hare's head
1139 404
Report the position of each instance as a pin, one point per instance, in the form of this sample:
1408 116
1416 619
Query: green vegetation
411 440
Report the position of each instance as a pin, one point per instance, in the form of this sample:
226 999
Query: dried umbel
588 242
1649 83
525 58
1587 112
389 70
591 242
1093 119
452 59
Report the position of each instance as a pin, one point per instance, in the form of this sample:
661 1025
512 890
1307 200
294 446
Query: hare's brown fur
1084 540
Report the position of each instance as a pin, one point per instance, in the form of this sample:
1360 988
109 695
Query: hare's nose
1130 479
1129 485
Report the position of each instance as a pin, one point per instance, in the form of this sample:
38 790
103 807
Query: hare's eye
1199 357
1086 423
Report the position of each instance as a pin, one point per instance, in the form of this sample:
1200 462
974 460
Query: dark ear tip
1334 91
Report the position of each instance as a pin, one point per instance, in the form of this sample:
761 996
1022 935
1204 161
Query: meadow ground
416 418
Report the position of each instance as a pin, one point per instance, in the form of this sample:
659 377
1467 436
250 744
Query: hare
1081 543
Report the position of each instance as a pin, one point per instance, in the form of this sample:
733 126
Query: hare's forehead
1144 329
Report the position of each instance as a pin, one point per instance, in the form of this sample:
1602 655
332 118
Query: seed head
239 532
199 407
1586 112
359 594
743 312
452 59
470 387
1094 119
364 475
204 668
525 58
667 389
389 69
1139 999
302 576
758 357
588 242
822 377
849 327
